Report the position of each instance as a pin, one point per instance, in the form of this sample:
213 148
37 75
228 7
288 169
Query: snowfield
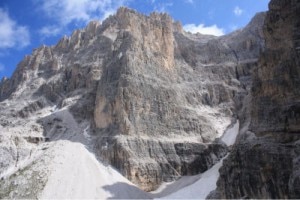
73 172
77 174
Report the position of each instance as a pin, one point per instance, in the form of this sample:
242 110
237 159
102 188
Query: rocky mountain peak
156 99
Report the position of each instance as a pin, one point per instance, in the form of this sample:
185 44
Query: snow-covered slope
66 168
201 188
77 174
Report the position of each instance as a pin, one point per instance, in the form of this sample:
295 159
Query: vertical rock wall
265 161
166 95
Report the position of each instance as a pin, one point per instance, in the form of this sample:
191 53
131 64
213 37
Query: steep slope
156 98
67 170
265 162
78 175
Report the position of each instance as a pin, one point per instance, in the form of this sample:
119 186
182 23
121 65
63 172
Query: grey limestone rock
158 98
265 161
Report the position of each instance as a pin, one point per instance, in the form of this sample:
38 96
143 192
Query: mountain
138 95
265 160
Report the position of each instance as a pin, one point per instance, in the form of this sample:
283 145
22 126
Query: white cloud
65 12
12 35
206 30
48 31
1 67
238 11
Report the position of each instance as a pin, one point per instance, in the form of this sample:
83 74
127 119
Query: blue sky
28 24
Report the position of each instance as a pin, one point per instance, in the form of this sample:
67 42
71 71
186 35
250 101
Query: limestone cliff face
158 98
166 91
276 88
265 162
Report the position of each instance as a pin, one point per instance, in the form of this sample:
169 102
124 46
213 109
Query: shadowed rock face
276 85
157 97
265 162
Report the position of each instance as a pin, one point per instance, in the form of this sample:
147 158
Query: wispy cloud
65 12
206 30
237 11
162 7
12 35
51 30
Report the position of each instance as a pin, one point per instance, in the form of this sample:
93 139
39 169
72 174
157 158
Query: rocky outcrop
265 161
151 99
158 98
148 162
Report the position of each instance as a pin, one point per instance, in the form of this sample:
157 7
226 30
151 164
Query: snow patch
201 188
120 55
168 188
230 134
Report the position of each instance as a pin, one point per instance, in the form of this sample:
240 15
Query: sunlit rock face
265 162
167 95
156 96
